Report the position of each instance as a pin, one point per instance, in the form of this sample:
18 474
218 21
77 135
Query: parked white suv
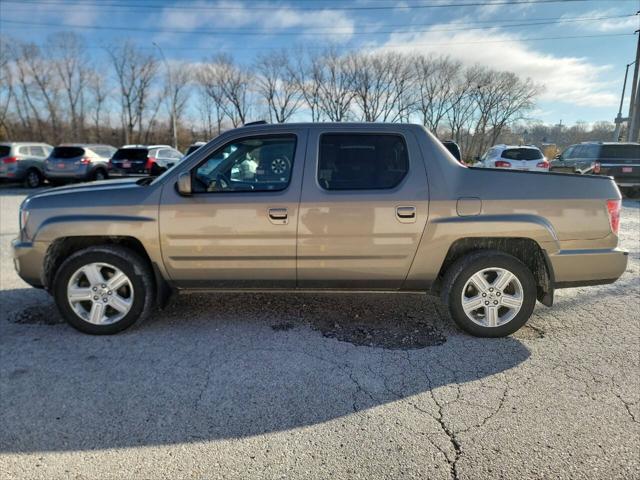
515 157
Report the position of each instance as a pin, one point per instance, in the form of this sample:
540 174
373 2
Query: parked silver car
78 162
23 162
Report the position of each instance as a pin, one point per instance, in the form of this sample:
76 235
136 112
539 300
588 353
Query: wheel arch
527 250
61 248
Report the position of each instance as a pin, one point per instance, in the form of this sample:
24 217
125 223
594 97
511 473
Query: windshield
522 154
131 154
67 152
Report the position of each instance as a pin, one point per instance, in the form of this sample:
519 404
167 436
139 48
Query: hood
110 194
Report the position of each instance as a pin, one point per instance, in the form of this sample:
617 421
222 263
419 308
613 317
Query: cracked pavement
249 386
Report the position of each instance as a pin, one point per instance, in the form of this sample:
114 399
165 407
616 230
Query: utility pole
619 120
174 107
634 106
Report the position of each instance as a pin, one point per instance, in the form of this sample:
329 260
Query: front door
238 229
363 208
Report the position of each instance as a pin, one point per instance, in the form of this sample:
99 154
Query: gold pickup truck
309 207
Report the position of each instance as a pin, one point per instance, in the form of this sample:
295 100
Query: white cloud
257 20
628 24
571 80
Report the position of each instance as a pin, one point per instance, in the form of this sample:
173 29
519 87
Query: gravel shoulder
317 386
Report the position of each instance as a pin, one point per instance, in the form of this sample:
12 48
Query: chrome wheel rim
100 293
492 297
279 166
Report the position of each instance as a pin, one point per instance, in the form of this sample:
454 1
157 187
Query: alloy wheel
492 297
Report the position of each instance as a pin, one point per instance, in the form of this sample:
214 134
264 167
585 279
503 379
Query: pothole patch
397 336
37 315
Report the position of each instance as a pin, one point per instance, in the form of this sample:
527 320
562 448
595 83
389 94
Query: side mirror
558 157
476 158
184 184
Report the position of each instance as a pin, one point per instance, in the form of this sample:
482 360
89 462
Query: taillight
543 164
10 160
596 169
85 161
502 164
613 208
149 164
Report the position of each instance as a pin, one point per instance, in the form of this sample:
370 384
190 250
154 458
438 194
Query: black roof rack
257 122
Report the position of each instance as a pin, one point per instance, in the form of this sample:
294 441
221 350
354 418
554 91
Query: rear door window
522 154
621 152
67 152
362 161
131 154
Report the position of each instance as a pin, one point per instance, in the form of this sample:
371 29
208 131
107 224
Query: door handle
406 214
279 216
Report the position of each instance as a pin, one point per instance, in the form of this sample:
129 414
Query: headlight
24 217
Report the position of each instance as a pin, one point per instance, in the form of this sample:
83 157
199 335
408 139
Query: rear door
586 156
238 229
363 208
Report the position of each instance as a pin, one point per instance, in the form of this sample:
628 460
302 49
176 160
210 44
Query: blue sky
582 76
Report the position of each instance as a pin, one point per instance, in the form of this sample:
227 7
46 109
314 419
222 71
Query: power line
131 7
217 49
308 31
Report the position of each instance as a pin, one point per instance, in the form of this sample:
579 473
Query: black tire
462 270
130 263
33 178
99 174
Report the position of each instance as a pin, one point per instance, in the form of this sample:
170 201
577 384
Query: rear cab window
620 152
67 152
522 154
131 154
361 161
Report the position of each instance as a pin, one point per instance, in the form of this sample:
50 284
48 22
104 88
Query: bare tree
67 52
177 89
208 79
98 93
135 73
40 91
437 89
6 85
307 75
275 85
336 86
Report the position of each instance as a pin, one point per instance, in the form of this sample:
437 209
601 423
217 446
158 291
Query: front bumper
28 260
574 268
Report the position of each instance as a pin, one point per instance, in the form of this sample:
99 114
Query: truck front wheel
489 293
103 289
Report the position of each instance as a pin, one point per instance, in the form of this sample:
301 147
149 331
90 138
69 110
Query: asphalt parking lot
315 386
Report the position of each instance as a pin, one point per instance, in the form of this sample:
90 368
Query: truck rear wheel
490 293
104 289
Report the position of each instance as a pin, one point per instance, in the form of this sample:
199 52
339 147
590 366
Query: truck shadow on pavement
230 366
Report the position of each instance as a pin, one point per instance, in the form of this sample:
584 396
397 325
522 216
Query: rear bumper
574 268
71 174
28 260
